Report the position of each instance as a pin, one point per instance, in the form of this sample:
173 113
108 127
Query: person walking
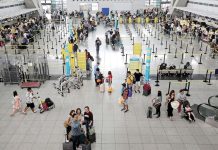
76 131
97 44
137 76
16 103
125 93
29 101
157 103
181 97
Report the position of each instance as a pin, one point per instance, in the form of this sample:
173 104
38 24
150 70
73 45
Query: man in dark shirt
97 44
88 120
137 79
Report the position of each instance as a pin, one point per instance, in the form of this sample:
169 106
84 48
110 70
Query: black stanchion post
63 68
186 84
175 53
166 45
155 53
143 59
205 79
56 51
43 41
188 90
191 41
47 39
44 52
133 41
210 78
157 79
144 38
147 41
180 75
161 43
169 49
182 58
193 52
164 58
35 38
126 60
205 50
200 62
39 45
153 49
40 34
56 41
15 51
28 53
172 37
181 44
168 91
59 39
155 34
52 45
186 49
33 49
122 50
158 36
48 49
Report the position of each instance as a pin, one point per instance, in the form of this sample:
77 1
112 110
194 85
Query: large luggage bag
146 89
67 145
149 112
86 146
92 138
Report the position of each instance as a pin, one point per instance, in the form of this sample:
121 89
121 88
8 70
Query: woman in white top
180 98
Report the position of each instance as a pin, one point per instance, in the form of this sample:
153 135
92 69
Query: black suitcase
67 145
149 112
86 146
49 102
92 138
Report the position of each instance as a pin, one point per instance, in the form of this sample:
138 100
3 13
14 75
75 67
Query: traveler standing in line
137 76
88 120
76 131
157 103
125 93
67 124
170 99
97 44
29 101
16 103
181 97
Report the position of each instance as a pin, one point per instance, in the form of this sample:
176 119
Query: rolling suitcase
149 112
146 89
92 138
86 146
67 145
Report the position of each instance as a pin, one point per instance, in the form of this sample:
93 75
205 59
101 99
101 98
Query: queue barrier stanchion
143 59
56 41
52 45
151 33
47 39
63 68
180 75
28 53
169 49
188 90
166 45
169 86
48 49
40 36
172 37
193 52
33 49
133 41
24 59
186 49
146 41
153 49
158 36
126 60
164 58
175 56
36 39
59 39
186 84
206 50
155 34
181 44
63 58
155 53
205 79
209 83
149 43
43 52
15 51
39 45
122 50
157 79
144 38
5 49
161 42
182 58
200 62
141 34
56 51
43 41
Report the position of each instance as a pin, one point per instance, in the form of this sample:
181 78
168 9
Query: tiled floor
115 130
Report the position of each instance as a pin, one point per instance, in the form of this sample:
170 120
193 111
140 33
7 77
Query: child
109 81
125 93
190 113
16 103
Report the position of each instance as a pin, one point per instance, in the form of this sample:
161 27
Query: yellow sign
130 20
81 60
121 20
72 62
147 20
70 48
156 20
137 49
138 19
133 65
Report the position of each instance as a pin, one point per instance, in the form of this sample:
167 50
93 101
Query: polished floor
115 130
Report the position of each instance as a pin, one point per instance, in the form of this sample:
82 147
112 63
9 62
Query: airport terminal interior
108 74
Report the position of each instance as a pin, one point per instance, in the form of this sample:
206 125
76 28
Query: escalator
209 111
